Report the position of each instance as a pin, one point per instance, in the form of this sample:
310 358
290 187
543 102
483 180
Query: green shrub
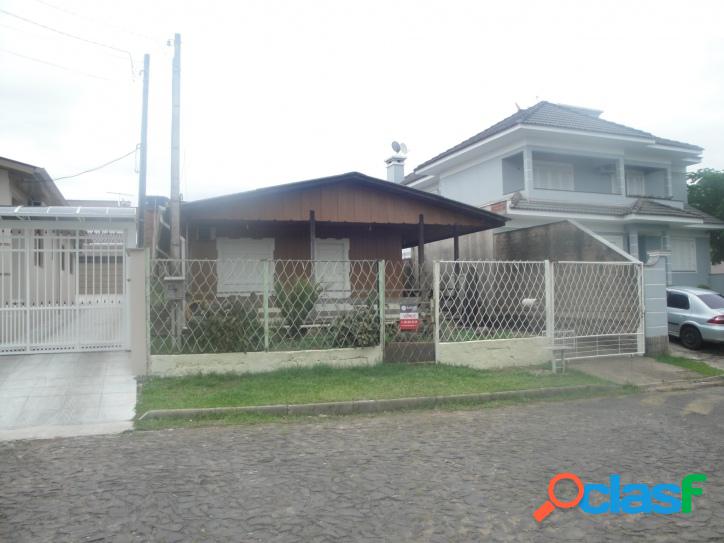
235 328
295 299
357 328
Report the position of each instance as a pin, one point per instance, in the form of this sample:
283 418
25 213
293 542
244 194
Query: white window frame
683 254
551 175
241 269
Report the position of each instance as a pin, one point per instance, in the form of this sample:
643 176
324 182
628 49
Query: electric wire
73 36
96 168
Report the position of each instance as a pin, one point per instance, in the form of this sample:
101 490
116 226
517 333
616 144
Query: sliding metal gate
62 288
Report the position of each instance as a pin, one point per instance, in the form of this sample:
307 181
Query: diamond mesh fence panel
492 300
598 309
216 306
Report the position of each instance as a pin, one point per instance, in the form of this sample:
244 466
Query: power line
96 20
98 167
73 36
54 65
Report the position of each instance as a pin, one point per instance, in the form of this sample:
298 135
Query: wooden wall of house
334 203
293 244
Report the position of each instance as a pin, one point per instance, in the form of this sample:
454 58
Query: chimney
396 163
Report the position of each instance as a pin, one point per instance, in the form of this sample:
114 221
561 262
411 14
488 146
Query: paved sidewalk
633 370
51 395
419 477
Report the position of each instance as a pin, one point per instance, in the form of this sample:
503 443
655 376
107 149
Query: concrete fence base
168 365
495 353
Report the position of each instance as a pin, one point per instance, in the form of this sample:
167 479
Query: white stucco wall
498 353
479 184
168 365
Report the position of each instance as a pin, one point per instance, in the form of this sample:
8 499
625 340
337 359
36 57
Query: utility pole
141 209
175 150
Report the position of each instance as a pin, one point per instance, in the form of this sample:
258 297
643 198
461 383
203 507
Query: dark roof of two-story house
575 120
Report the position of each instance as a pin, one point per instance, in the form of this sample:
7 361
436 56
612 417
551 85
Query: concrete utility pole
141 209
175 150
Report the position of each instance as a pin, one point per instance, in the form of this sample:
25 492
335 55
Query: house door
331 267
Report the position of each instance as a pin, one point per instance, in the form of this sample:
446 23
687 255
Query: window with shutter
240 270
552 175
683 254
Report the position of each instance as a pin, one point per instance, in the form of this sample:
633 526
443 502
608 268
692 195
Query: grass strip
696 366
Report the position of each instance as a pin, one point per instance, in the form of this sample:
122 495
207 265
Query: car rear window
714 301
677 301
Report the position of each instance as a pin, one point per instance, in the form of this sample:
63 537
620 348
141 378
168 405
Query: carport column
550 313
656 328
137 289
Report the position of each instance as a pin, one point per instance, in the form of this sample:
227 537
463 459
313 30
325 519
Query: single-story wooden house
348 217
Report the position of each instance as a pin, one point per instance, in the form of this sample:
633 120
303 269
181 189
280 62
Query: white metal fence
591 308
201 306
62 288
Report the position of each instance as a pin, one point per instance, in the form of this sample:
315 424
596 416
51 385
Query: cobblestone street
424 476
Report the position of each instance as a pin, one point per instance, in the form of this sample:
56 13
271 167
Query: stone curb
684 384
371 406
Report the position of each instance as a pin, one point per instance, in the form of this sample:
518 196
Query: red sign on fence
409 318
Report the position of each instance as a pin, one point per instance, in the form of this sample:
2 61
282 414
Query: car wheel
690 338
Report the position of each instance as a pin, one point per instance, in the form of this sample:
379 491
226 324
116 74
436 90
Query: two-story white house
551 162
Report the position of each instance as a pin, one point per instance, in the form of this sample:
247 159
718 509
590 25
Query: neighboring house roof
360 179
641 206
557 116
38 175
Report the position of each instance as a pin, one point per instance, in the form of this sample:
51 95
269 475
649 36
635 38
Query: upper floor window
553 175
635 182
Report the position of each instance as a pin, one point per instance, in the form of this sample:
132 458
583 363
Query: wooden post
456 243
421 241
420 253
312 234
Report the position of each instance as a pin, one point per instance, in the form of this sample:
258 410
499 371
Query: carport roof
67 212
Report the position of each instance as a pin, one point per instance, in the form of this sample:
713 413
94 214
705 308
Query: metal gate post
550 300
381 301
436 308
641 332
266 305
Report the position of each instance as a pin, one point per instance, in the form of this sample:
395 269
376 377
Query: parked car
695 315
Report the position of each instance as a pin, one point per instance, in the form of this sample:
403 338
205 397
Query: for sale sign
409 318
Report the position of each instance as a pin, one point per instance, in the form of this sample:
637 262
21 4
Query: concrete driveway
68 394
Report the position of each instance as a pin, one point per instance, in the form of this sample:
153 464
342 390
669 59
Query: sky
275 91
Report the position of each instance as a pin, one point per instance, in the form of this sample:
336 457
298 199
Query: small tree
706 192
296 299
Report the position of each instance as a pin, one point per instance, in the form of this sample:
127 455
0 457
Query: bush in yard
295 299
234 328
357 328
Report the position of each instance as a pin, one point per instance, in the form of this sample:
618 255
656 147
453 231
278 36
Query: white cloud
277 91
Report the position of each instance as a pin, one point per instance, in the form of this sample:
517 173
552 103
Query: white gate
62 288
598 308
594 309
